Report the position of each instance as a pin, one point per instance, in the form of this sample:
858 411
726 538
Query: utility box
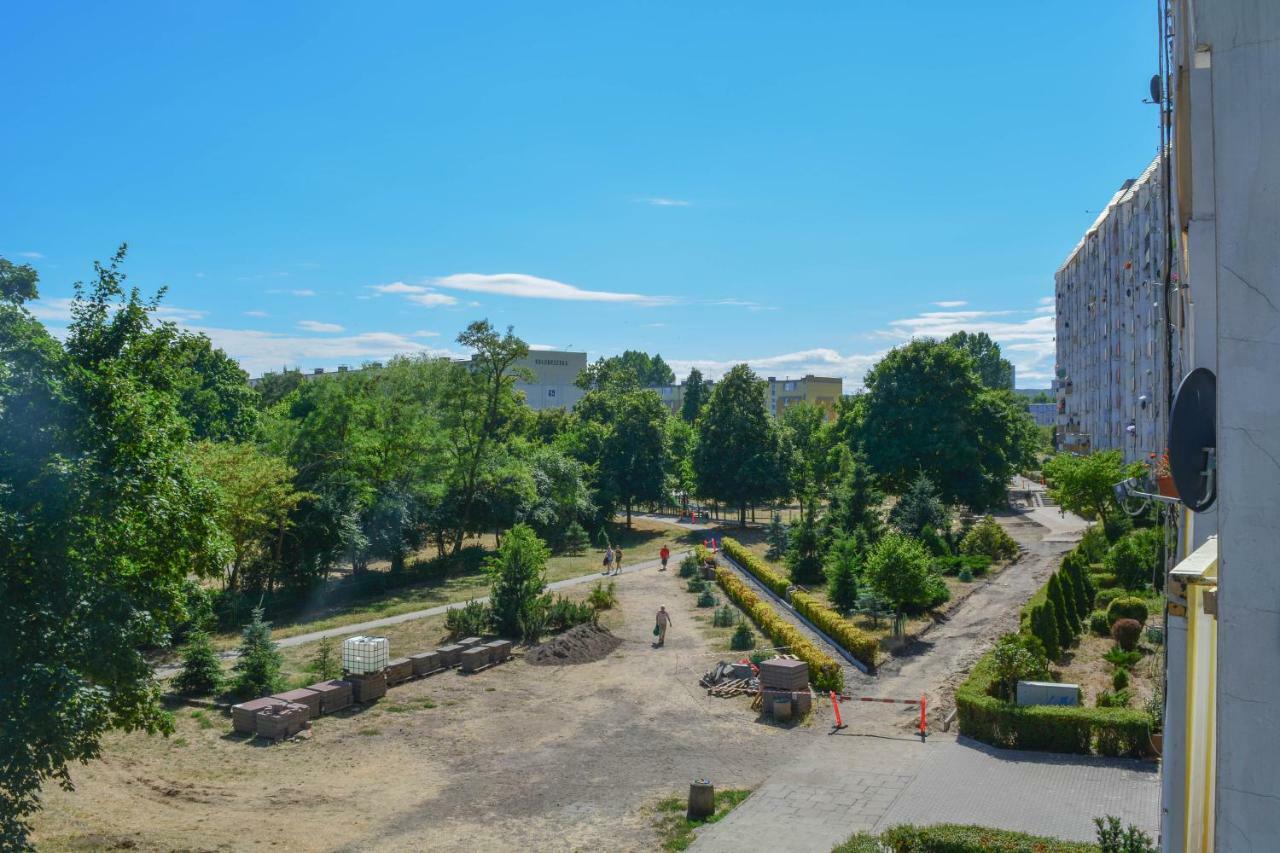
1048 693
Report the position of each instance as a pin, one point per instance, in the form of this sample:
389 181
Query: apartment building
821 391
672 396
1117 352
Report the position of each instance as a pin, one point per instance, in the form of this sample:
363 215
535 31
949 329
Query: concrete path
353 628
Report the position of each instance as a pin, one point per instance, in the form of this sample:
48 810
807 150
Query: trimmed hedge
1049 728
753 564
1127 608
966 838
824 671
853 639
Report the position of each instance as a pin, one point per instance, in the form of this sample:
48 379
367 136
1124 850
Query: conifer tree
325 664
776 536
1062 620
842 573
201 673
1044 627
257 669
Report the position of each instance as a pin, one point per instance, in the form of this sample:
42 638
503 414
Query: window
551 392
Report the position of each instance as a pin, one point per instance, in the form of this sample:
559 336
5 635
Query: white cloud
532 287
543 347
1026 338
58 310
35 256
850 367
432 300
256 314
303 292
259 351
399 287
666 202
423 333
952 303
317 326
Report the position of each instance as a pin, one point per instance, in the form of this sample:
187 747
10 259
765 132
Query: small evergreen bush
1135 559
1098 623
1121 658
1117 699
965 575
695 585
470 620
603 597
743 638
1126 633
987 537
324 664
1113 838
1127 608
565 613
1044 627
707 599
689 567
201 673
575 539
1066 631
1106 595
257 669
723 617
1120 679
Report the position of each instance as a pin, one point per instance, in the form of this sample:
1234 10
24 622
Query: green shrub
1121 658
1135 558
1103 579
470 620
1120 679
1098 623
755 567
723 617
1093 545
824 672
603 597
859 842
689 567
517 578
1113 838
575 539
966 576
695 585
324 664
966 838
1117 526
743 638
706 599
989 538
564 613
843 563
1049 728
1106 595
1118 699
1044 627
1127 608
201 673
1126 633
257 669
1073 567
977 564
1016 657
1068 624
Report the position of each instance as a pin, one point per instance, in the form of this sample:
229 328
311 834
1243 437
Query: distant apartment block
821 391
1044 414
554 375
672 396
1115 341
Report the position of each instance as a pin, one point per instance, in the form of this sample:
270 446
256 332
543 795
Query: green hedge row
853 639
964 838
1048 728
824 671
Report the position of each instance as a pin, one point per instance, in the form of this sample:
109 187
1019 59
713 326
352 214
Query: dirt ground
513 758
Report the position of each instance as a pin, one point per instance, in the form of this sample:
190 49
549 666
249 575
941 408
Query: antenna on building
1157 91
1193 444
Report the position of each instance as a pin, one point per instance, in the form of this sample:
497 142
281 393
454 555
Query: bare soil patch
582 644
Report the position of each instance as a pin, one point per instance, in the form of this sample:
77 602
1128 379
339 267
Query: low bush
1016 657
1114 837
1109 594
564 613
1126 633
966 838
847 635
1098 623
1135 558
1049 728
707 599
1117 699
756 567
603 597
824 672
1093 545
1120 679
1121 658
470 620
977 564
1127 608
987 537
723 617
201 673
688 567
743 638
695 585
1103 579
965 575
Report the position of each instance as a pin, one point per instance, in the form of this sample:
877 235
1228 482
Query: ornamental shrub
1074 614
743 638
575 539
847 635
1127 608
963 838
1114 838
965 575
470 620
1120 679
1106 595
723 617
201 673
1135 559
1093 545
1044 627
843 562
755 567
1016 657
987 537
1121 658
565 613
1117 699
257 669
706 599
688 567
777 538
1066 632
1126 633
603 597
695 585
324 664
1099 624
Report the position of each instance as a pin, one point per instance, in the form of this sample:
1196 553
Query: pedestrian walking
665 554
617 561
663 621
608 560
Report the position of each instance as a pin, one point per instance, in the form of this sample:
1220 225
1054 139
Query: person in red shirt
665 554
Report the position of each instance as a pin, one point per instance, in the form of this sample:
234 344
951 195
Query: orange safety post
835 706
923 731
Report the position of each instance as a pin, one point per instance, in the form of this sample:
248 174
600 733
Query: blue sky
799 186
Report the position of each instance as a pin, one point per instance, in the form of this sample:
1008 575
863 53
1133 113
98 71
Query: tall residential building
1117 322
821 391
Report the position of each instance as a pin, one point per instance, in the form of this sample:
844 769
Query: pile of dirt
583 644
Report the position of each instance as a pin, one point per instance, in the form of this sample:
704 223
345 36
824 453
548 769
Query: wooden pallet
736 687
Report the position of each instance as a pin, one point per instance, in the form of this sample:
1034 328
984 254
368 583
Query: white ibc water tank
362 655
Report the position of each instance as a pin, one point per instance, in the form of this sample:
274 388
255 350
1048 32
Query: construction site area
571 744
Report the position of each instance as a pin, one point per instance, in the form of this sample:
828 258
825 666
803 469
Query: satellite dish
1193 439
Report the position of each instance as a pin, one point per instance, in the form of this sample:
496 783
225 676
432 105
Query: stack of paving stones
425 663
470 642
475 659
784 679
399 670
281 720
369 686
244 715
304 696
449 655
499 650
334 695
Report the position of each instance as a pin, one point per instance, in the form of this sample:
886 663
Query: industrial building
1118 314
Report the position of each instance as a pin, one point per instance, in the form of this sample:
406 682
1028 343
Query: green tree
695 396
324 664
1135 559
629 371
1044 627
897 569
920 512
972 441
1015 658
517 576
855 505
776 536
257 668
806 445
994 372
1062 612
843 562
101 523
804 560
634 459
201 673
738 459
1084 484
274 387
213 392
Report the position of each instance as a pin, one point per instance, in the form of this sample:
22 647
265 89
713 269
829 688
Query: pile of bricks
368 686
782 679
399 670
474 659
244 717
425 663
304 696
334 695
282 720
499 650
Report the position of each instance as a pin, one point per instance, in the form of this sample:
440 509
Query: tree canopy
1084 484
994 371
